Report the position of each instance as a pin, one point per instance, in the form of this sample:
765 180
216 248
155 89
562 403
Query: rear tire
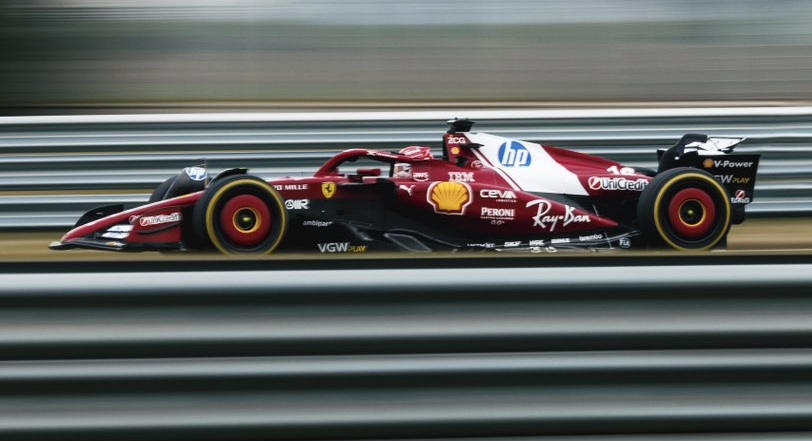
240 214
685 209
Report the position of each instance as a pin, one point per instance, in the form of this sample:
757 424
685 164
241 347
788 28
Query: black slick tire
240 214
684 209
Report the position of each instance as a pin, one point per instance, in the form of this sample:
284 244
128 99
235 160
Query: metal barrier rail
56 161
452 352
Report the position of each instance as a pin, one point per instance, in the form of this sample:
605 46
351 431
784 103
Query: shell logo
449 197
708 163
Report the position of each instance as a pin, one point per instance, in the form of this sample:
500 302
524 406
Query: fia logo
514 154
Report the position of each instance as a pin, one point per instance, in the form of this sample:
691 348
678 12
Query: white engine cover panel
526 165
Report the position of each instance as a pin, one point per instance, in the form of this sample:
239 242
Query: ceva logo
514 154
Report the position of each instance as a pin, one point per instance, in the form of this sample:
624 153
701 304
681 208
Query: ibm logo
514 154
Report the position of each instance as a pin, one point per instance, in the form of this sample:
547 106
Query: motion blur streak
58 52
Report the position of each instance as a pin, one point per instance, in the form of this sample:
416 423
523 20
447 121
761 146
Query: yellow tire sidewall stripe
210 230
664 190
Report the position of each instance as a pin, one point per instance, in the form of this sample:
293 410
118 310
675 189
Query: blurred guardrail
53 168
441 353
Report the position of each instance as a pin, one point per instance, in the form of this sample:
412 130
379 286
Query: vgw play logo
514 154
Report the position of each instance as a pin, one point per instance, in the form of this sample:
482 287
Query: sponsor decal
514 154
461 176
512 244
455 150
449 197
740 197
417 152
731 164
498 222
341 247
291 187
114 235
617 183
625 243
317 223
498 195
195 173
297 204
560 240
158 219
730 179
536 243
620 171
328 189
483 245
497 213
457 140
591 237
707 163
407 188
550 221
420 176
382 154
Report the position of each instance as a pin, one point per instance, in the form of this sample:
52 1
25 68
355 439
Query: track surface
755 236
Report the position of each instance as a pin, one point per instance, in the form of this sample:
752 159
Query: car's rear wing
736 172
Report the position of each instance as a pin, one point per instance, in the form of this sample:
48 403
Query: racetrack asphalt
791 236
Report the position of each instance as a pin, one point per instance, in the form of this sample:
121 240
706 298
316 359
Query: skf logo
514 154
708 163
449 197
328 189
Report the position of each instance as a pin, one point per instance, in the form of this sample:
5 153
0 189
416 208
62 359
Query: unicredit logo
616 183
159 219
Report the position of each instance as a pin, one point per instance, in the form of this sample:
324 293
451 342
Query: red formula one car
486 192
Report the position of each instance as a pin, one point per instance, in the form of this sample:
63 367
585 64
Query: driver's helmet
402 170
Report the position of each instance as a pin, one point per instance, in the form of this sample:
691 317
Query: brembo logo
616 183
514 154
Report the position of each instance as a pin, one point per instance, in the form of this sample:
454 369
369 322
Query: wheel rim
245 221
691 213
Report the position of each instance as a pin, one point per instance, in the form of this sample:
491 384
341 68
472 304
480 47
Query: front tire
686 209
241 214
160 191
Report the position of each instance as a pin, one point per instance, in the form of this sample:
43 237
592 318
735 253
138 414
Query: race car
486 192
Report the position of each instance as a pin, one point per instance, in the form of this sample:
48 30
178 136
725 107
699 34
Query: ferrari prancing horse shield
328 189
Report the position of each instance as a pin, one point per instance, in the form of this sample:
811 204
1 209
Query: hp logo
514 154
